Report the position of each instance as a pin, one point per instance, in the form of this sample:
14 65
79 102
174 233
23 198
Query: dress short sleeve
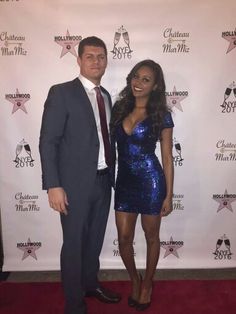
168 121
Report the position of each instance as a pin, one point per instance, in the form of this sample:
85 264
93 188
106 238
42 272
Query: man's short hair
91 41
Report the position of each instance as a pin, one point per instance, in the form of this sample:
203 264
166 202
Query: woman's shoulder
167 120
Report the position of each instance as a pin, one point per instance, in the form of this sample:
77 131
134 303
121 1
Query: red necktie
104 129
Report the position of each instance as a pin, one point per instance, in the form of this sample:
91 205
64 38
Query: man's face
93 63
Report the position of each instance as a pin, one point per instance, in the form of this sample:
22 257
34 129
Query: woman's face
143 82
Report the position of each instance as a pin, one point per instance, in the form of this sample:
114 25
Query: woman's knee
125 239
151 236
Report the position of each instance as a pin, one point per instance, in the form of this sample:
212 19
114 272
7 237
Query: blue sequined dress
140 184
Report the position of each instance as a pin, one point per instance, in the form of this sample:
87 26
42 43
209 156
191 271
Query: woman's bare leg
151 227
125 223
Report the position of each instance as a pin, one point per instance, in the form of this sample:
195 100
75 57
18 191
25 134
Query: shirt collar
87 83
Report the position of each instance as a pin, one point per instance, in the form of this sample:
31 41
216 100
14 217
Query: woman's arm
167 163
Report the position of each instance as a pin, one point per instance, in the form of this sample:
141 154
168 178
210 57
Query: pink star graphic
19 103
29 250
232 42
68 45
174 100
171 248
225 202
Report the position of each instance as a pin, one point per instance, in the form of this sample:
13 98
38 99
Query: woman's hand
167 207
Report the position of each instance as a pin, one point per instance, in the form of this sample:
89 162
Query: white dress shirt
89 88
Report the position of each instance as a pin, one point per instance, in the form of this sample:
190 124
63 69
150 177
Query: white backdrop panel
185 37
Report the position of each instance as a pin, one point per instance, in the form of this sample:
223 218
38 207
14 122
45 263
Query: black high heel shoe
143 306
131 301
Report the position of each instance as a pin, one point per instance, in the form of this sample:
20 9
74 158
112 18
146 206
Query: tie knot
97 89
99 94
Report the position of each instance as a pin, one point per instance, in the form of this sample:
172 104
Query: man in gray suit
74 151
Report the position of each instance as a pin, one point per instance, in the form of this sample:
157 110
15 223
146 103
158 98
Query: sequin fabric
140 185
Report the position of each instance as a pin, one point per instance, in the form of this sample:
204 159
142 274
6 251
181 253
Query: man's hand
58 200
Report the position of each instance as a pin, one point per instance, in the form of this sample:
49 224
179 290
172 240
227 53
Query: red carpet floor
169 297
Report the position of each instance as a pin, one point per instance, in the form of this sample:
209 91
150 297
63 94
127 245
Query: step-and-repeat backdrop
195 43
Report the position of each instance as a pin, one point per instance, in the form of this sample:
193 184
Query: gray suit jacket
69 144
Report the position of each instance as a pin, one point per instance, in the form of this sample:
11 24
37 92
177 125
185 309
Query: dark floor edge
4 275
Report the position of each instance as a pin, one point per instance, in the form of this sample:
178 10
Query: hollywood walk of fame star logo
18 102
68 43
175 99
29 249
171 247
232 41
225 202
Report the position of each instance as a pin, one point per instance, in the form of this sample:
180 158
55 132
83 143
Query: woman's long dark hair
156 106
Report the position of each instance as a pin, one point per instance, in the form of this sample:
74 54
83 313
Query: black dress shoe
104 295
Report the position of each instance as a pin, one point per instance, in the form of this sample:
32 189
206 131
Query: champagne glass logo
117 38
126 38
229 89
28 151
233 86
224 239
218 245
123 49
19 147
227 92
18 151
234 92
178 149
227 244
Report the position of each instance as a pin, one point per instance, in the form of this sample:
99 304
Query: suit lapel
108 96
84 101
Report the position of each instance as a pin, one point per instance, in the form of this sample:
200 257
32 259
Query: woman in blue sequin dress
139 119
